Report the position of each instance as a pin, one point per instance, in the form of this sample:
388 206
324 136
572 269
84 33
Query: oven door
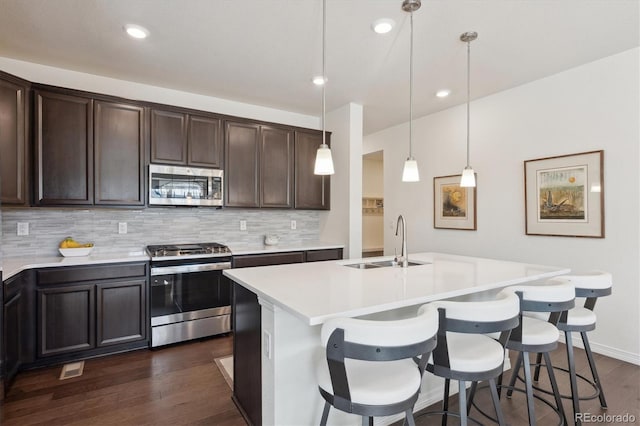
189 292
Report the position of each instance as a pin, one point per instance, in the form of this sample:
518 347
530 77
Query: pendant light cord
324 60
411 89
468 92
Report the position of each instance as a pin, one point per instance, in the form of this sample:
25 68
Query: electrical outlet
243 225
266 342
122 227
23 228
294 225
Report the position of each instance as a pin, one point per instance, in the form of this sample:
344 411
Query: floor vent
72 370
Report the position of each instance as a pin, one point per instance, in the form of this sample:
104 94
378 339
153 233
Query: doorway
373 204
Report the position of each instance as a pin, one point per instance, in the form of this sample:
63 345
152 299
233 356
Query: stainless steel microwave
185 186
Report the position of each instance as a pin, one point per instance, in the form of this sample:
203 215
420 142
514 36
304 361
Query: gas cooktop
181 250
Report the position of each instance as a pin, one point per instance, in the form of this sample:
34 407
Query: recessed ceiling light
136 31
443 93
319 80
382 26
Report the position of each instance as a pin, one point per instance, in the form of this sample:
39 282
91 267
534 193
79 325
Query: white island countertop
317 291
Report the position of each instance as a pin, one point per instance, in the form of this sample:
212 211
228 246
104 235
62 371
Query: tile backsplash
48 226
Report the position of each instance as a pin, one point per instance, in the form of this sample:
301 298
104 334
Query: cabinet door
64 149
12 336
119 154
205 141
13 146
66 319
312 191
242 161
121 312
276 167
168 137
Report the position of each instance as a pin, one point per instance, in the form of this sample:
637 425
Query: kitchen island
294 301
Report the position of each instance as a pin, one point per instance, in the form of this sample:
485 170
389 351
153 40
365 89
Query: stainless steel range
190 298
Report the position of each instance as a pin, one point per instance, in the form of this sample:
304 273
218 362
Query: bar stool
589 285
534 335
464 353
350 380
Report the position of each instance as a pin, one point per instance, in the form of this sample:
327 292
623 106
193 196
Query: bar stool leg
409 420
496 401
554 386
445 402
462 397
325 414
536 375
572 377
514 375
529 387
472 394
594 372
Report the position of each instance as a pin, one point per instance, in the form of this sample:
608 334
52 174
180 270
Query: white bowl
73 252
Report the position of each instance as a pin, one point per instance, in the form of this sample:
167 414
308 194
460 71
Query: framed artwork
454 207
564 195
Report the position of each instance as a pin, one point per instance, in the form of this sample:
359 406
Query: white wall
343 223
591 107
44 74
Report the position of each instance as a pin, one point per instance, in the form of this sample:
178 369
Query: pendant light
324 162
410 172
468 179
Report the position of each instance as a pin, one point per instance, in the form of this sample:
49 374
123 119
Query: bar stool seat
538 332
375 383
474 352
580 317
375 368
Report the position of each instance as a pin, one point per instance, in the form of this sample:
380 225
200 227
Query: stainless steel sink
385 263
380 264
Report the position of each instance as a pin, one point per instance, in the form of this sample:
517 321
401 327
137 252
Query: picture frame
454 207
564 195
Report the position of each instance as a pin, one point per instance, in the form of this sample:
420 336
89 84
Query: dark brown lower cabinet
86 311
247 329
67 316
121 315
12 337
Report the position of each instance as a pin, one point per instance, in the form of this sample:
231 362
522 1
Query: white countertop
13 266
317 291
241 249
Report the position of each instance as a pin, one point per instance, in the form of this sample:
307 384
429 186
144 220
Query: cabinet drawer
90 273
328 254
268 259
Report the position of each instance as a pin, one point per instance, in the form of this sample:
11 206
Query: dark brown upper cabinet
311 191
242 156
119 153
260 165
64 149
14 121
89 151
186 139
276 167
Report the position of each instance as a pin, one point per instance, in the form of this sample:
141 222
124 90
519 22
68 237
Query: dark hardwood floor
174 385
181 385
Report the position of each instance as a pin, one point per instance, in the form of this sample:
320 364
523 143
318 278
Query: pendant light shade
324 161
410 172
468 179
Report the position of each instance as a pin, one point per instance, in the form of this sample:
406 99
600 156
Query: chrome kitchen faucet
404 257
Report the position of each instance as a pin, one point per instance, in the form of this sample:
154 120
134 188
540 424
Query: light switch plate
243 225
294 225
122 227
266 342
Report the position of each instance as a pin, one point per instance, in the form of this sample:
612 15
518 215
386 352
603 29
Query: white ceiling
265 52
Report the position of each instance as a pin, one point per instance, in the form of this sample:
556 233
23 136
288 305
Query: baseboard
605 350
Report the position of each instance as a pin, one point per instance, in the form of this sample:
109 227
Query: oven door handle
181 269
